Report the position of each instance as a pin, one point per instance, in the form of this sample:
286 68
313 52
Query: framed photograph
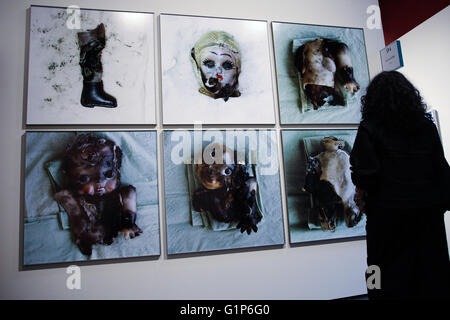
222 190
90 196
319 190
90 67
215 71
322 73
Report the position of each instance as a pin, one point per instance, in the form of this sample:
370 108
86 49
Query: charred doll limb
129 197
129 209
250 216
352 217
198 200
319 95
328 203
340 53
82 219
360 199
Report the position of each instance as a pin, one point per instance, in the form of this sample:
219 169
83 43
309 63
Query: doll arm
246 200
129 212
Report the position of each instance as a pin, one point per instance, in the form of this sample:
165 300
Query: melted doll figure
328 180
217 64
97 205
227 191
324 64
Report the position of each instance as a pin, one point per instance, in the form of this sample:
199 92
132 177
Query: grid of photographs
93 195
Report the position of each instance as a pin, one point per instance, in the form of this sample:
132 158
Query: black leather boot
91 44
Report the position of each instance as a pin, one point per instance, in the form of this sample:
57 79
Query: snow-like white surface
55 81
182 102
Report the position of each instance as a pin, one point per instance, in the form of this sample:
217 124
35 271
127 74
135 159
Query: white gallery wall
303 272
425 56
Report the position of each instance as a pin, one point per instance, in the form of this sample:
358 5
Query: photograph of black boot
91 43
90 67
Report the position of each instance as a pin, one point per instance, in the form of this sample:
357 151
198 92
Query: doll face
219 68
96 180
332 144
216 174
93 167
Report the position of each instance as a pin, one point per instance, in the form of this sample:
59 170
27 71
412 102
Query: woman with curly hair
403 183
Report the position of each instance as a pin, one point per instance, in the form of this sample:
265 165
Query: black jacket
401 170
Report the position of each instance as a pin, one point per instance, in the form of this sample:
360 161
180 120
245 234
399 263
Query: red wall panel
400 16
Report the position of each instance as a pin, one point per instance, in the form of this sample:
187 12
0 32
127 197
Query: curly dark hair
392 102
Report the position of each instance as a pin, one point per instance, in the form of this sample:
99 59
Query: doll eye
109 174
209 64
227 171
227 65
83 179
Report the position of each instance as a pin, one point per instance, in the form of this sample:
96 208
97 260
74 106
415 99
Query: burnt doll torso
324 65
227 191
329 182
97 205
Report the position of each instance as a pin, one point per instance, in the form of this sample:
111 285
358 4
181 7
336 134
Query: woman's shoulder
373 127
369 126
428 120
427 124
